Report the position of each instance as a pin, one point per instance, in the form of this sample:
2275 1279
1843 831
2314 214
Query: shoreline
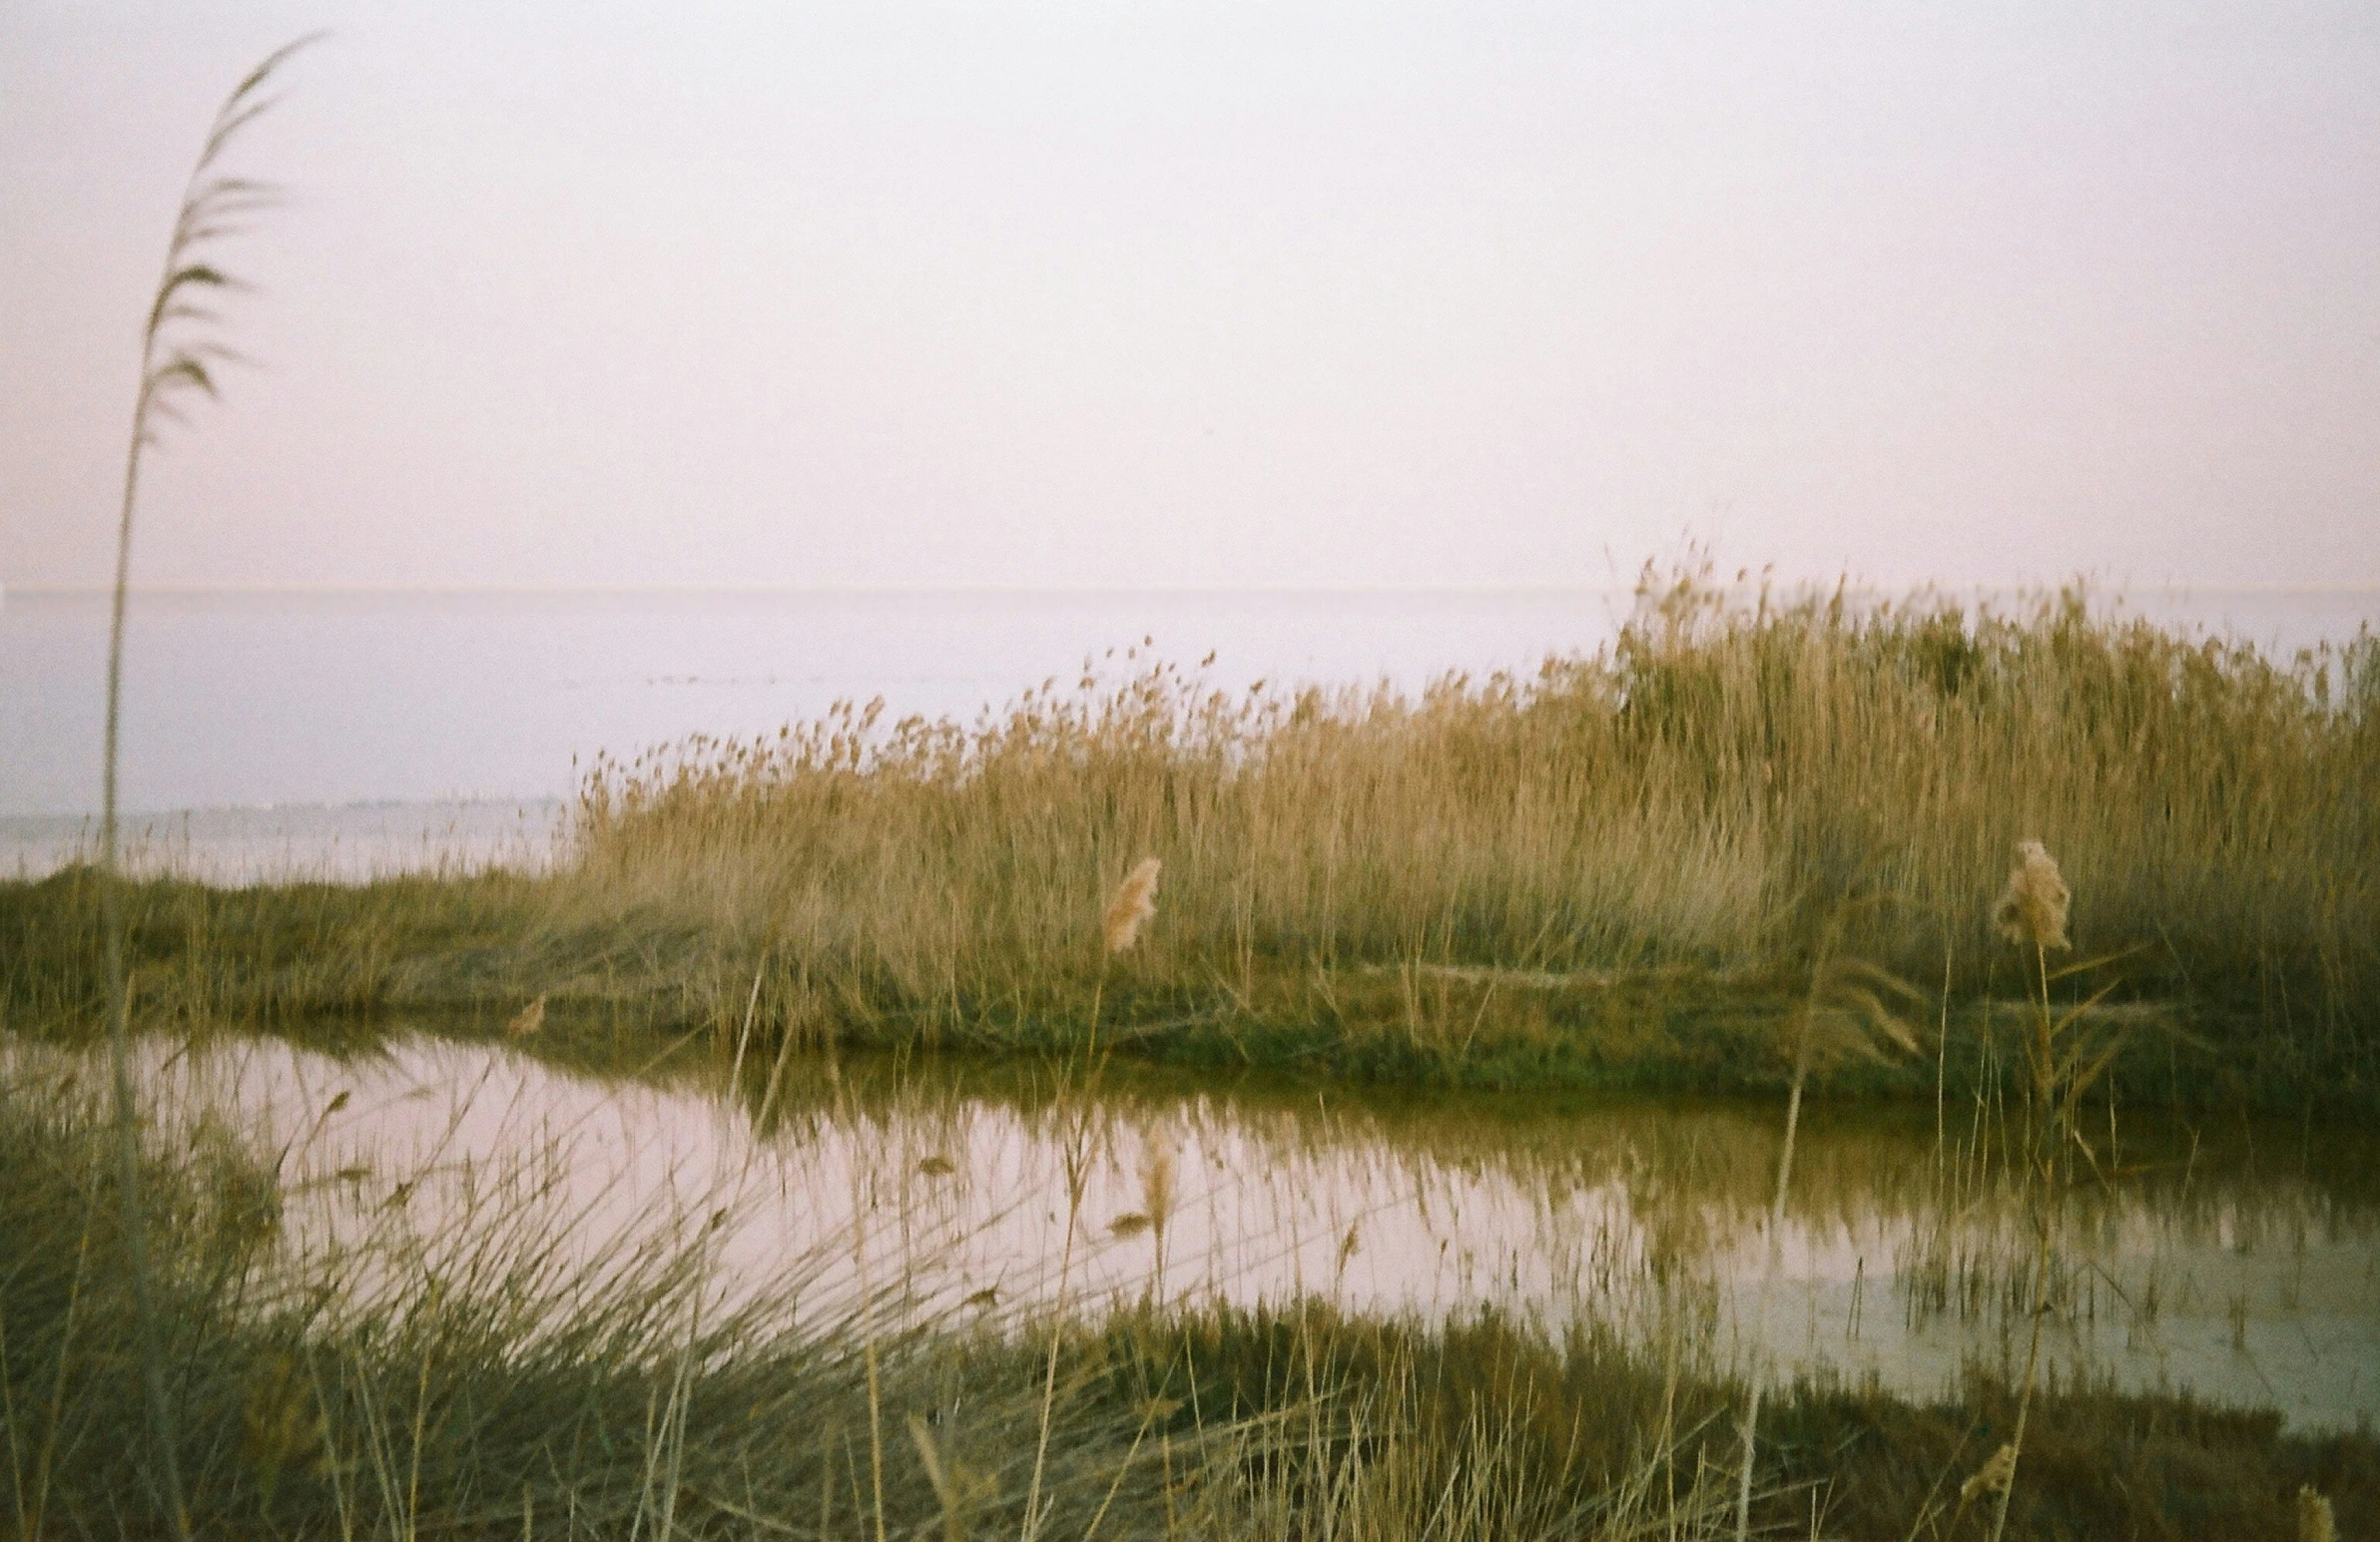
479 949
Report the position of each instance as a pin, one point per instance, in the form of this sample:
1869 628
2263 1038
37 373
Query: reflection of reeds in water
513 1268
1156 1203
1567 1207
472 1362
530 1019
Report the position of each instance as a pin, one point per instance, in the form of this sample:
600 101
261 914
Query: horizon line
1090 591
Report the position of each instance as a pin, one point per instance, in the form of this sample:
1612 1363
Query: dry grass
1606 872
1673 802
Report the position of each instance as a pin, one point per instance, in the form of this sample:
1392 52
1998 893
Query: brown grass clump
2034 909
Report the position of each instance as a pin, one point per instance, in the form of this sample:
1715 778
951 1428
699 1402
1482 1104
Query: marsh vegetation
1614 872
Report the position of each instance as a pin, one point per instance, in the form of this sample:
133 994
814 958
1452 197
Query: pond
2234 1260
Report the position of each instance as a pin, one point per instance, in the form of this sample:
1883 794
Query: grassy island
1611 874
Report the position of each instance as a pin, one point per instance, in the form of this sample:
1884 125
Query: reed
2316 1521
1584 876
182 346
2065 1052
1846 1011
1654 804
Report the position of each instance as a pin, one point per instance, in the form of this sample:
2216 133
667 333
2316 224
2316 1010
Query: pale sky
1240 292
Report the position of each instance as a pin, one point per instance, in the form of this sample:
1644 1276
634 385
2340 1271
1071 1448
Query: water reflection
2241 1263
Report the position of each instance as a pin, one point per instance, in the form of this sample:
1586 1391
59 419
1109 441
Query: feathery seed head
1134 903
1991 1476
2034 908
2315 1523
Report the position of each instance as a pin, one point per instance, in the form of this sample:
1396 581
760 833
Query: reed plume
1993 1477
181 345
2063 1061
2314 1520
2034 907
1132 906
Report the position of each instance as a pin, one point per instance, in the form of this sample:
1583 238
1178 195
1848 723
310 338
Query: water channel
2235 1260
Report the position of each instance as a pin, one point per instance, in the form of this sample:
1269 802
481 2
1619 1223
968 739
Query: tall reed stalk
1128 911
2063 1061
180 351
1844 1009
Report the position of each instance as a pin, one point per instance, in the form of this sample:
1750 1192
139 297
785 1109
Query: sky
1275 293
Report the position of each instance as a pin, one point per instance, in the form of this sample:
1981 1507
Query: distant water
352 733
340 842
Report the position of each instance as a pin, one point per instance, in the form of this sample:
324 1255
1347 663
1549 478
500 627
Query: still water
2236 1261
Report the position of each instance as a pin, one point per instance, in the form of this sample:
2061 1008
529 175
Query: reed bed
1609 871
1671 807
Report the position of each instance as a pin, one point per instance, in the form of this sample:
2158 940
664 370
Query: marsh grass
1663 801
1588 875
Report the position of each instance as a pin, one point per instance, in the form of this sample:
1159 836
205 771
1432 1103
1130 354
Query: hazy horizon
1853 582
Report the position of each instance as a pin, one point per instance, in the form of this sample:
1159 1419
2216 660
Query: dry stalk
178 351
2063 1064
1844 1009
